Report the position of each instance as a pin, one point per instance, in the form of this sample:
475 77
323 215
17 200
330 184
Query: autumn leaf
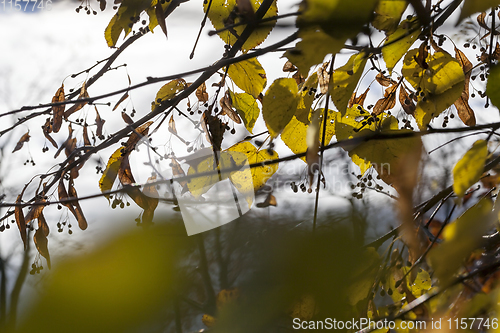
168 91
77 106
18 214
398 42
460 238
22 140
247 108
270 201
58 111
279 105
227 108
47 129
41 244
223 12
306 96
201 93
124 97
387 102
345 79
109 175
387 15
470 167
171 126
249 76
100 123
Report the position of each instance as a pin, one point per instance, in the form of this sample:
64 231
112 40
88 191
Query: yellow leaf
432 105
421 284
345 79
223 12
294 134
199 185
122 21
109 175
388 13
249 76
246 106
443 72
168 91
279 105
259 175
208 320
306 97
385 154
460 239
398 43
313 48
470 167
474 6
151 11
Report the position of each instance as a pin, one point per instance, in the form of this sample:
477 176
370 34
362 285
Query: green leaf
223 12
306 98
246 106
345 79
474 6
168 91
122 19
295 133
109 175
313 48
338 18
493 85
249 76
279 104
460 239
246 182
388 13
469 169
398 42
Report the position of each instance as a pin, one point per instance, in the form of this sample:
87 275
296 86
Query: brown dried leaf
465 112
323 78
481 20
58 111
126 118
214 129
177 171
270 201
41 244
407 103
70 135
86 140
358 100
201 93
42 224
22 140
384 80
464 62
47 129
100 122
136 136
18 213
422 56
289 67
160 17
70 147
77 106
388 102
82 222
227 108
171 125
63 196
298 78
35 211
496 53
124 97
